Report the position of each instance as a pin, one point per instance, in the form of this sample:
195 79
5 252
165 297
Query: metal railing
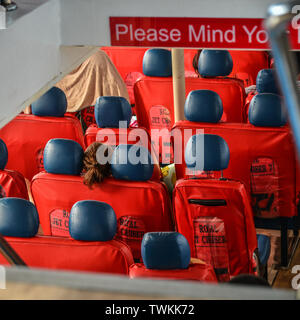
10 254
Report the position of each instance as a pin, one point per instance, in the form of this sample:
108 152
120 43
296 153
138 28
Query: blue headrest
266 82
18 218
157 63
51 104
207 152
203 106
110 110
63 156
3 154
264 248
165 250
131 162
214 63
266 110
92 220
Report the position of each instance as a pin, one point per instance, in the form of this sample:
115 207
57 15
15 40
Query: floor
285 276
281 277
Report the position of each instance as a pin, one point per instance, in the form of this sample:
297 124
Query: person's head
249 279
94 172
195 62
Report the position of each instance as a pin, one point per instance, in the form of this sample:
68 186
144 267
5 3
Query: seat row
50 120
129 63
153 90
93 247
143 206
152 84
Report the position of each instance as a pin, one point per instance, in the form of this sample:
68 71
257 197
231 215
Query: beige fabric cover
95 77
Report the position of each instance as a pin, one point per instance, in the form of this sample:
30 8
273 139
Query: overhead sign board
231 33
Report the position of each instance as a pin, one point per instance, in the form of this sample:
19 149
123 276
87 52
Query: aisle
278 277
284 277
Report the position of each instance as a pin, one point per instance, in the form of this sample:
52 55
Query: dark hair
93 171
249 279
195 62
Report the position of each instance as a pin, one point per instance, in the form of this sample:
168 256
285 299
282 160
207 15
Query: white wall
86 22
28 59
32 57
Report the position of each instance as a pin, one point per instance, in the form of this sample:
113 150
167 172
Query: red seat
155 111
229 226
196 272
110 113
129 63
12 183
215 215
26 135
114 137
21 138
167 255
140 205
246 64
19 223
265 83
68 254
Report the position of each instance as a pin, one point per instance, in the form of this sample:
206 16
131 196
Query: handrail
111 286
10 254
278 18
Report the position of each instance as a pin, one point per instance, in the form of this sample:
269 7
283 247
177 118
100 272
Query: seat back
215 215
262 155
246 64
167 255
129 63
28 134
12 183
140 205
111 114
265 83
97 253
